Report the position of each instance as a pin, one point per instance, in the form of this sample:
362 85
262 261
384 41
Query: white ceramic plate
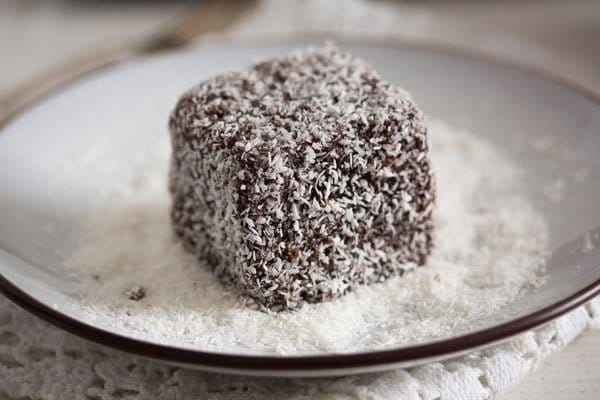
127 105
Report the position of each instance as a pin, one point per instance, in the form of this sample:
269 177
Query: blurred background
557 36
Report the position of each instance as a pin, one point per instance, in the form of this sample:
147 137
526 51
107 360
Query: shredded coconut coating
301 177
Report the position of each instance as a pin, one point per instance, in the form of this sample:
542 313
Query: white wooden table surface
562 36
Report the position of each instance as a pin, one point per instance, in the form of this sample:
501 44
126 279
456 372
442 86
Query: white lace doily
39 361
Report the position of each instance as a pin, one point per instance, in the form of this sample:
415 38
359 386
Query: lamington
301 177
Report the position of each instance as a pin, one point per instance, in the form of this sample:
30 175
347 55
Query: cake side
302 177
200 178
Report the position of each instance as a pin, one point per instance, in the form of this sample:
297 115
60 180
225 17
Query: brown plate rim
255 364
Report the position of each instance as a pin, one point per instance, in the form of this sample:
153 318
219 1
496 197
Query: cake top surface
312 95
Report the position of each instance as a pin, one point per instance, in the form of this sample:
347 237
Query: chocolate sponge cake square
301 177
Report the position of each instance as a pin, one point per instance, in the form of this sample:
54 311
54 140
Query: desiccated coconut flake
482 262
